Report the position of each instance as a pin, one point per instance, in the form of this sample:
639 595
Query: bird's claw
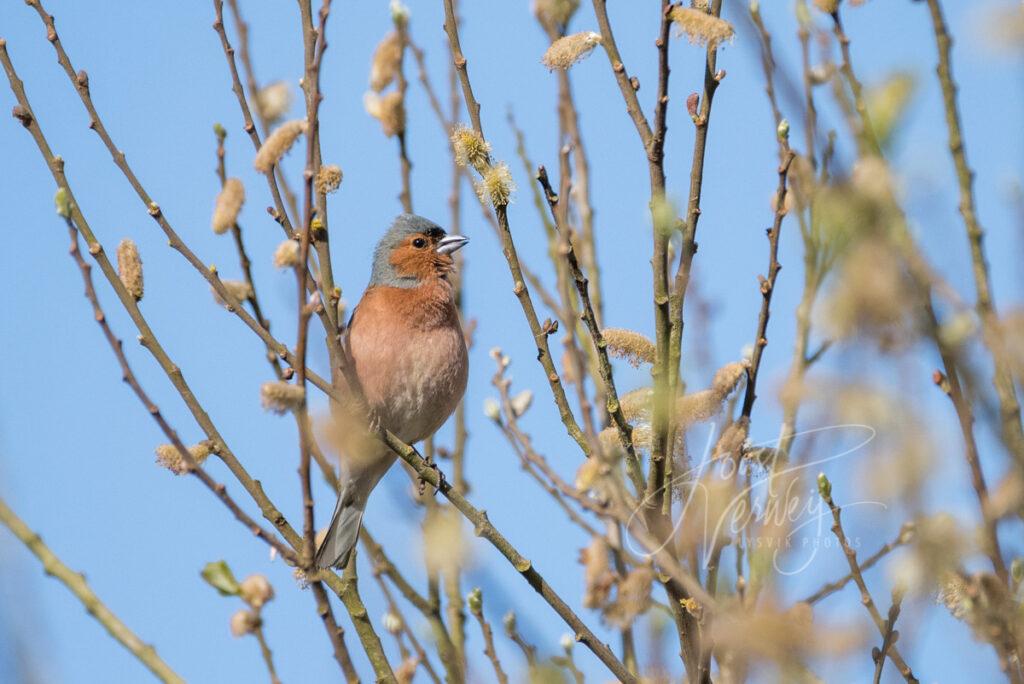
440 477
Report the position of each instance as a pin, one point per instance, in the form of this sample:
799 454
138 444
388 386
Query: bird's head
414 251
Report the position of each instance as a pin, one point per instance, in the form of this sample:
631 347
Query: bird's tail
336 548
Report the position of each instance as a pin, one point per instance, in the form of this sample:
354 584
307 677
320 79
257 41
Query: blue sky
76 447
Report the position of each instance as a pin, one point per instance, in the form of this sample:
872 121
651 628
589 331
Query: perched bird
406 349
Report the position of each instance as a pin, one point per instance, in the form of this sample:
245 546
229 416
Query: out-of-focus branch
1009 408
430 609
76 584
242 29
268 656
867 142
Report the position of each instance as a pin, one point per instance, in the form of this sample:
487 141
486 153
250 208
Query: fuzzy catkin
387 60
568 50
236 288
287 254
229 203
168 456
470 148
700 27
129 268
278 143
496 185
280 397
328 179
274 100
630 346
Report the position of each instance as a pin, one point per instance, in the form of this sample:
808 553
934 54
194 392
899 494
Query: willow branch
76 584
335 633
540 335
1009 408
867 142
268 656
904 536
858 578
243 257
429 608
328 315
625 430
345 590
242 29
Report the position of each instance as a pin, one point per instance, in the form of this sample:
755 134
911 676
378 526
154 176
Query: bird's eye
419 243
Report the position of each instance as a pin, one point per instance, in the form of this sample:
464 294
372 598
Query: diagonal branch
76 584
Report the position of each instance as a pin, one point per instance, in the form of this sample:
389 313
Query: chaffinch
407 350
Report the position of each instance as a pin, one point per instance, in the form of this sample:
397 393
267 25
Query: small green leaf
824 486
218 575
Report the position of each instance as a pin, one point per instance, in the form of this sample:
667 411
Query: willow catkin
470 148
700 27
555 13
278 143
568 50
274 100
389 109
129 268
287 254
281 397
238 289
328 179
168 456
630 346
496 185
229 203
387 60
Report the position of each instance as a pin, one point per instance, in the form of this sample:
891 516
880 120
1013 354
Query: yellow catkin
229 203
278 143
287 254
129 268
568 50
630 346
168 456
470 148
328 179
700 27
281 397
496 185
387 60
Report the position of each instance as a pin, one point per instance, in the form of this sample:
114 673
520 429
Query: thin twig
76 584
344 589
904 537
625 430
476 608
889 637
335 633
268 656
858 578
1009 407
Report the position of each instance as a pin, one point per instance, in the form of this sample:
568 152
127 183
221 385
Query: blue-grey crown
403 226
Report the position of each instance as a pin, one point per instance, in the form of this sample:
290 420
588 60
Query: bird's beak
451 243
